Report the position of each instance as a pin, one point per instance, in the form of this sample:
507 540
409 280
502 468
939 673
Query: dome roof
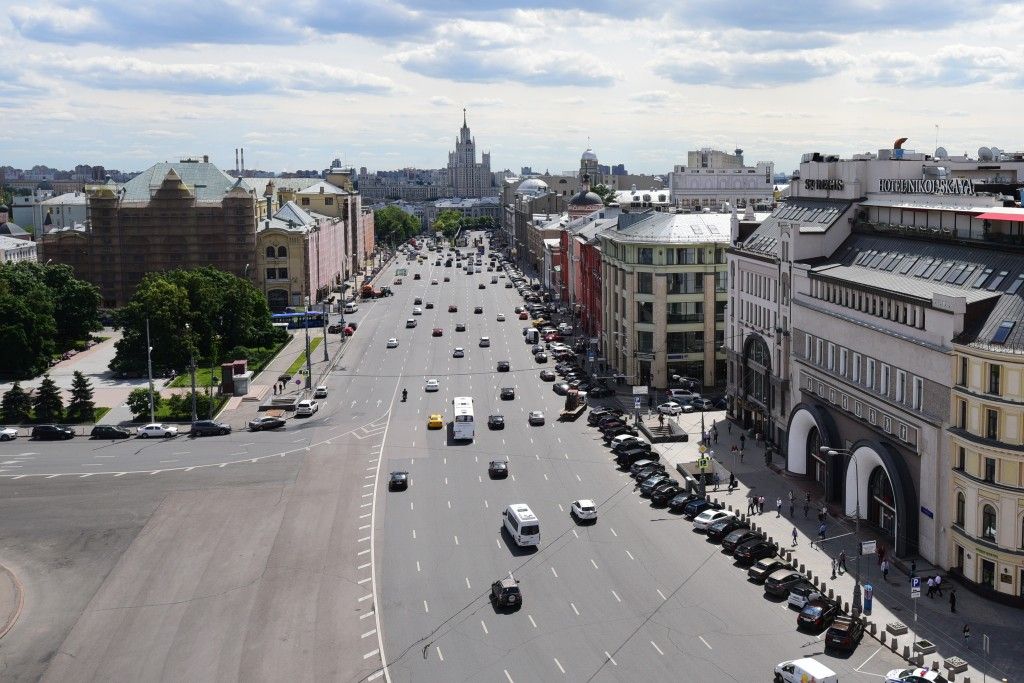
588 155
533 186
586 199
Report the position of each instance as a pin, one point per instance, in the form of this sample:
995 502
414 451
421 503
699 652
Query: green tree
76 304
48 405
393 226
606 193
15 406
448 222
138 402
29 329
81 407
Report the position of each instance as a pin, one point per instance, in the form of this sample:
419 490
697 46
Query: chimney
242 169
236 162
206 158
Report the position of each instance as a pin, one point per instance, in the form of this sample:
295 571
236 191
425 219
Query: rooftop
656 227
206 181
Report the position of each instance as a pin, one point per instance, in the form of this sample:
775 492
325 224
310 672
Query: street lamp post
149 367
309 362
213 372
326 357
192 369
832 453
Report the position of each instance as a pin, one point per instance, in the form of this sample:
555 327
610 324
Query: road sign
915 587
636 402
703 462
867 547
639 390
590 357
702 448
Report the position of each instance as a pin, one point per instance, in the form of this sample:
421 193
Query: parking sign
915 587
636 402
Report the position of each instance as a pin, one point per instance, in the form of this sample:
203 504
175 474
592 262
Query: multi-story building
664 297
712 178
9 228
466 176
529 199
481 207
173 215
894 284
580 267
13 250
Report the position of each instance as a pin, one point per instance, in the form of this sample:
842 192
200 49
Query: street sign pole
915 592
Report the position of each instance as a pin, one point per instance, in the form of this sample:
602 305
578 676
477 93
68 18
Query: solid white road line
616 596
554 572
664 598
704 641
367 615
613 532
467 584
414 533
545 475
530 617
574 533
573 605
559 665
439 655
366 597
655 646
371 653
507 677
426 607
362 581
484 627
560 508
578 478
593 563
456 540
368 633
418 566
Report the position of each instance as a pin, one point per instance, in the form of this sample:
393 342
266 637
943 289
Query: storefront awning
1008 214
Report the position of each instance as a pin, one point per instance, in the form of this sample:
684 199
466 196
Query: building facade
466 176
13 250
712 179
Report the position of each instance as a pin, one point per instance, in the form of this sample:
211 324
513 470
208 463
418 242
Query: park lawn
300 362
258 360
164 414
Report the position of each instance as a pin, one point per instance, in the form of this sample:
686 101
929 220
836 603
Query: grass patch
300 362
203 376
258 359
167 413
98 412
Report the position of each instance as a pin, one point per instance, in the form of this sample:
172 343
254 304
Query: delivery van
806 670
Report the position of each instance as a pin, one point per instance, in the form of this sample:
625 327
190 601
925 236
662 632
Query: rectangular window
856 367
645 312
685 312
807 346
831 356
329 201
645 283
843 355
869 379
917 400
720 311
282 273
992 424
962 414
993 379
722 281
644 342
990 470
271 273
645 255
963 371
883 385
305 201
817 351
961 459
901 386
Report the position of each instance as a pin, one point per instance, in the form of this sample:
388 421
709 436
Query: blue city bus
298 319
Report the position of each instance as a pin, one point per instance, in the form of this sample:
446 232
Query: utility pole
149 365
309 362
326 356
192 370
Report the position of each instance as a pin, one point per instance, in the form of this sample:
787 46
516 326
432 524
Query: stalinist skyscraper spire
467 177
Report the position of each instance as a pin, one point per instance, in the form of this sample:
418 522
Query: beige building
664 297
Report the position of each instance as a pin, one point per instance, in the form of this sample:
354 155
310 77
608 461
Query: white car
417 310
536 417
583 509
459 352
485 341
916 675
392 343
306 407
709 517
501 317
8 433
320 391
670 408
432 385
157 429
623 438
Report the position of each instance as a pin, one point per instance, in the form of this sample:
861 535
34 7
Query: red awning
1002 216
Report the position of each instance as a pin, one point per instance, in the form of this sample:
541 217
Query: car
681 500
508 393
398 280
705 519
702 404
437 332
209 428
460 327
816 614
802 593
481 285
478 309
640 465
485 342
540 357
435 421
560 388
612 432
663 494
453 308
432 385
102 432
625 442
737 536
306 407
504 366
416 277
446 278
844 633
670 408
583 510
411 322
265 422
779 582
501 317
547 375
509 285
536 348
157 429
52 432
434 281
505 593
429 305
350 329
392 343
629 456
600 411
723 527
600 391
697 506
761 569
320 391
334 328
916 675
459 352
497 469
398 481
524 316
496 422
536 417
754 549
416 310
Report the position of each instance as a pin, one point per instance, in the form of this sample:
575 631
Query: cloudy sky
381 83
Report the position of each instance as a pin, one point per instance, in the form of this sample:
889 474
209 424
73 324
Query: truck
368 292
575 405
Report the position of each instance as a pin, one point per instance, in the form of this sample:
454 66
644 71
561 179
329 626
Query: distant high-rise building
467 177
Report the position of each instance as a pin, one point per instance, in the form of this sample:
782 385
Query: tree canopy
192 313
393 226
447 222
606 193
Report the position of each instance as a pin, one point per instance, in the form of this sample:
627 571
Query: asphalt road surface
282 556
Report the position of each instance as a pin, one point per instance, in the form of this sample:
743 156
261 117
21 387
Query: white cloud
442 101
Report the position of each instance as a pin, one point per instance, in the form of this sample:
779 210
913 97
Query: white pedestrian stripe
655 645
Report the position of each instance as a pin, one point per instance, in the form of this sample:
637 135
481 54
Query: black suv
496 421
497 469
209 428
503 366
505 593
52 432
508 393
109 432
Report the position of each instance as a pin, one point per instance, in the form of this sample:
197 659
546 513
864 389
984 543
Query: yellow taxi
540 322
435 421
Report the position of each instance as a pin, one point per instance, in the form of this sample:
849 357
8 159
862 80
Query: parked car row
153 430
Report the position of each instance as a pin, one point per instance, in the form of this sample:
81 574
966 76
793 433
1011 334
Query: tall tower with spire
467 177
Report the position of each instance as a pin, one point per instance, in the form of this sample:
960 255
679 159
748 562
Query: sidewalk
892 603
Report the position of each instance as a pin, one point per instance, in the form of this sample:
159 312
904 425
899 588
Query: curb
16 613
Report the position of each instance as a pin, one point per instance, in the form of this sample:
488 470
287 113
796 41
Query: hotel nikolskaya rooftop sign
961 186
823 184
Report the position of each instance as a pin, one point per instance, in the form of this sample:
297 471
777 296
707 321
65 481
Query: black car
540 357
610 421
496 422
721 528
844 633
560 388
498 469
52 432
505 593
640 465
681 500
663 494
610 434
631 445
399 481
508 393
536 348
265 422
754 549
209 428
109 432
737 535
548 376
763 568
779 583
429 305
503 366
628 457
600 391
695 507
817 613
652 482
460 327
335 328
478 309
597 414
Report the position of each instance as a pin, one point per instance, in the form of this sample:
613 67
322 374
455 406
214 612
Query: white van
522 525
682 393
350 307
532 335
807 669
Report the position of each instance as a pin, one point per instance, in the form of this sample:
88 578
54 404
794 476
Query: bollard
935 665
881 637
871 629
831 594
906 652
951 676
846 607
801 568
895 644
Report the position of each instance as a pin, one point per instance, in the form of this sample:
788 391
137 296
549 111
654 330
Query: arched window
988 523
961 508
282 252
270 252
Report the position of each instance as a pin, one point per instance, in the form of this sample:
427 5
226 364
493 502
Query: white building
479 207
63 211
712 179
13 249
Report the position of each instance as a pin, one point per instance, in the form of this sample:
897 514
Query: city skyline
115 84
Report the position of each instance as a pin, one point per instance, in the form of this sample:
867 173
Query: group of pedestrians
755 504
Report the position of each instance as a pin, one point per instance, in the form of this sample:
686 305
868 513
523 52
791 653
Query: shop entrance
881 504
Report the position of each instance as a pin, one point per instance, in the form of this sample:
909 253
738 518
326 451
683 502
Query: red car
553 337
438 332
524 316
349 331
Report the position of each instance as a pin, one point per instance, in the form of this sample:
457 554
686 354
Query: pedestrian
714 435
778 508
913 570
807 508
743 441
833 568
791 496
791 509
717 480
931 587
885 570
275 390
741 455
729 427
661 419
732 482
750 506
760 505
967 636
952 600
842 561
794 537
881 554
938 585
821 533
